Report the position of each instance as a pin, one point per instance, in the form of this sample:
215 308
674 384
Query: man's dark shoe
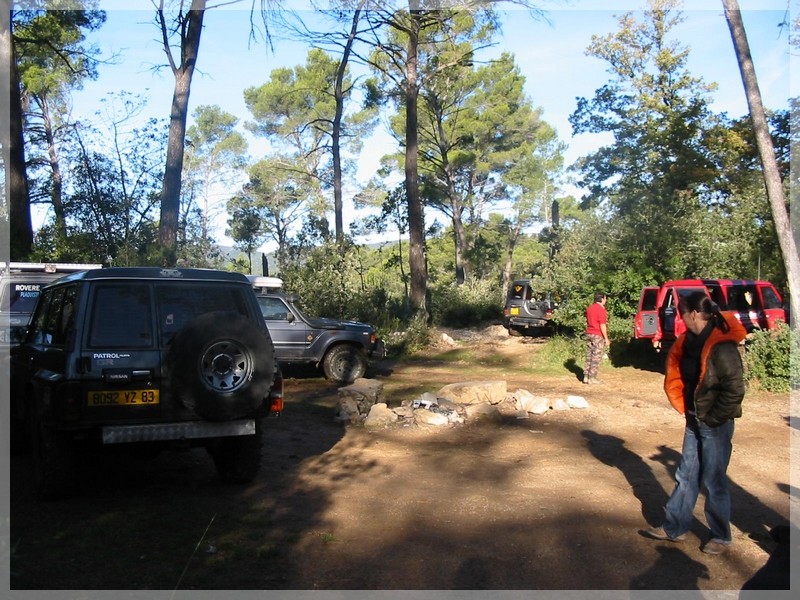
658 533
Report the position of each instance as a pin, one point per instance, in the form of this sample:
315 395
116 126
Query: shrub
472 303
770 359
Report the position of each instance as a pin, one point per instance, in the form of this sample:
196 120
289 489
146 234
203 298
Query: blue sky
551 56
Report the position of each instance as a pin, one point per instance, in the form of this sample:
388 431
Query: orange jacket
720 390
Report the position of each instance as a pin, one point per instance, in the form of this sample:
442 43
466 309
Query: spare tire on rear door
221 366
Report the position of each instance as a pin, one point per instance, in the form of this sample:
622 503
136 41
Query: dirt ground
551 502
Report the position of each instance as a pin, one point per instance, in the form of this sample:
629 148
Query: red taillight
276 396
548 313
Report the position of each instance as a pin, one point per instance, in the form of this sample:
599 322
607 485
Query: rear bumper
158 432
526 322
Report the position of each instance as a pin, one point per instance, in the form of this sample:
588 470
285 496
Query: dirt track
553 502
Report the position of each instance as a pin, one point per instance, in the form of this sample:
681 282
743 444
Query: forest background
474 192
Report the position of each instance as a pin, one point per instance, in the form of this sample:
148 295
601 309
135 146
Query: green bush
474 302
771 359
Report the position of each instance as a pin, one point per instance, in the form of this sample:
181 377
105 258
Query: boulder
577 402
347 411
560 404
482 411
364 392
475 392
380 415
423 416
537 405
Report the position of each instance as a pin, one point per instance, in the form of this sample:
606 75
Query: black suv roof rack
158 273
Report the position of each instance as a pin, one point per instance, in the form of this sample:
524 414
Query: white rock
423 416
537 405
577 402
380 415
560 404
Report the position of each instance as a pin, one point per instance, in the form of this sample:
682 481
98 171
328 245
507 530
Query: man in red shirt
597 334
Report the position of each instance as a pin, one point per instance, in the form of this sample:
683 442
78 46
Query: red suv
757 304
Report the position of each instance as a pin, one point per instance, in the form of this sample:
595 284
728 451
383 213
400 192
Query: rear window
20 297
520 291
179 304
121 316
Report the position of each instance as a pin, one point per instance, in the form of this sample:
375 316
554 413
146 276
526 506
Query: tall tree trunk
192 27
772 178
416 218
338 205
20 230
513 237
56 194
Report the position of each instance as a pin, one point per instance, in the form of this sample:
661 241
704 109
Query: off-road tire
221 366
238 458
344 364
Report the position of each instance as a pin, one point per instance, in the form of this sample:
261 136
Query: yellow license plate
514 310
123 398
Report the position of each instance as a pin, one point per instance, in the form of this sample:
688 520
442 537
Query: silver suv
20 284
144 357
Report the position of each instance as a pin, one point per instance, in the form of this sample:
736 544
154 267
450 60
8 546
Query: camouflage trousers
594 356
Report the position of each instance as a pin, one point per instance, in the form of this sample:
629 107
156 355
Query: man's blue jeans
704 461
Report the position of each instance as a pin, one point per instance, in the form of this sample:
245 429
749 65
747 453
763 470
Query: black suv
341 348
144 356
527 312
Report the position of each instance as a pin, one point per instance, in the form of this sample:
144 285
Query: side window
121 316
60 315
67 321
38 333
649 300
770 298
668 299
273 309
716 295
743 298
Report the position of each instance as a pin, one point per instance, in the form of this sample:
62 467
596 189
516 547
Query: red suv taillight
276 396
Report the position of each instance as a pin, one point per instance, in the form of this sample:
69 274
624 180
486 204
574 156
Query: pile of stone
363 403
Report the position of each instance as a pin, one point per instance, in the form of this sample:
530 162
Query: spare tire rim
225 366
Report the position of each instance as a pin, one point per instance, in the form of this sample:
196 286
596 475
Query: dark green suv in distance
528 312
144 358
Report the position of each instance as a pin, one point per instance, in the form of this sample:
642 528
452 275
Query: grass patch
560 354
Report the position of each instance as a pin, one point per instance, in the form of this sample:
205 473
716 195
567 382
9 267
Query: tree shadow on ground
748 513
